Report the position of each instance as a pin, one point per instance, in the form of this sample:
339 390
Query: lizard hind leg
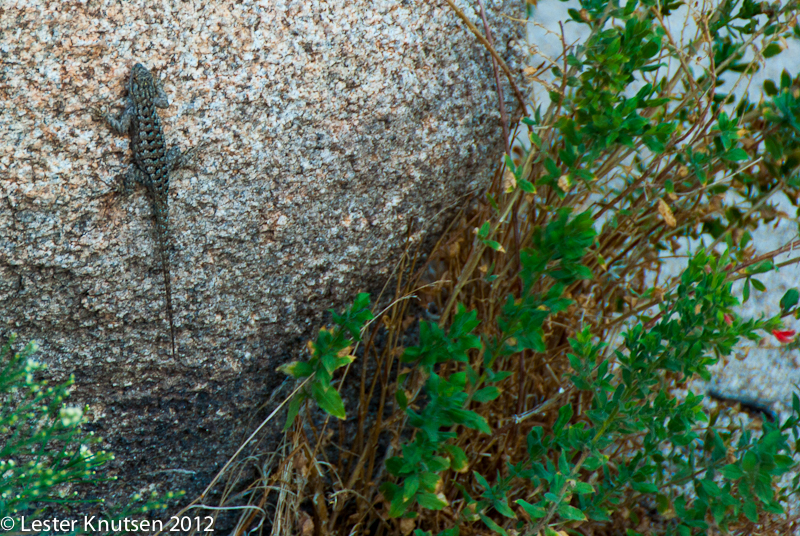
134 175
177 159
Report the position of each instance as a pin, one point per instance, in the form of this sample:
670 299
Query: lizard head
141 78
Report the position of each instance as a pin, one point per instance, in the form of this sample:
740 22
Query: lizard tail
162 246
168 288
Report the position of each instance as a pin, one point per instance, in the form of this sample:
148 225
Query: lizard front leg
120 125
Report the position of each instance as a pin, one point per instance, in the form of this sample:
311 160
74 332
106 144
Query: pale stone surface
329 129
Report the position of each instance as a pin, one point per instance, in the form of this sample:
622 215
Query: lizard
152 162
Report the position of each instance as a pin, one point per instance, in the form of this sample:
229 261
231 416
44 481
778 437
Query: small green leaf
395 466
492 525
458 459
430 501
773 49
533 510
564 415
749 461
731 472
291 412
297 369
582 272
494 245
329 400
486 394
762 267
737 154
570 512
430 481
645 487
437 464
479 423
410 487
790 299
502 507
751 511
401 398
592 463
526 186
552 168
398 506
510 164
786 80
662 503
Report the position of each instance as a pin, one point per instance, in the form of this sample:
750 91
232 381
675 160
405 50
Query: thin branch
492 51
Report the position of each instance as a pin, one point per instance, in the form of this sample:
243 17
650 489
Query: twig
491 50
502 104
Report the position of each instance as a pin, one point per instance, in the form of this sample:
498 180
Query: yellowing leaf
509 181
564 183
666 213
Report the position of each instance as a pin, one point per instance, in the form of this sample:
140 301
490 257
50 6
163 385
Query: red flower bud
784 336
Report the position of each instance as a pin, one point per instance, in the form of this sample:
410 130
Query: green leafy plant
44 452
329 353
43 447
557 251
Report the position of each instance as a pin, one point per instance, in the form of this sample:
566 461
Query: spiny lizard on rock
152 163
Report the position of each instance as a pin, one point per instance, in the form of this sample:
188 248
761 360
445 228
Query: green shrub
44 453
545 395
43 450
